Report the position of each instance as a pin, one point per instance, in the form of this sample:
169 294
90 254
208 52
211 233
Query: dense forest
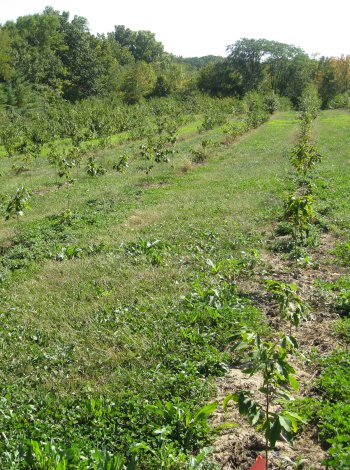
46 57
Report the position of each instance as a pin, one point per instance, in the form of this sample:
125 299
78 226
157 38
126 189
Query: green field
117 316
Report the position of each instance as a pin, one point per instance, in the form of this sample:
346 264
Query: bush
342 329
334 381
340 454
340 101
271 102
342 252
284 103
334 421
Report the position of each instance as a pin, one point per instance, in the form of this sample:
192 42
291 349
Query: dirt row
238 447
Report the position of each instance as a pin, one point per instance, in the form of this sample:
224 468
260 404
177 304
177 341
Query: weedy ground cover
114 323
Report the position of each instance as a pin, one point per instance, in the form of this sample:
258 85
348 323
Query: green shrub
339 453
334 381
342 329
340 101
342 252
334 420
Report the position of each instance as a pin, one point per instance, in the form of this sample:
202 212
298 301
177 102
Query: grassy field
114 323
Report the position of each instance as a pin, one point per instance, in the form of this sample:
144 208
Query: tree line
48 56
260 64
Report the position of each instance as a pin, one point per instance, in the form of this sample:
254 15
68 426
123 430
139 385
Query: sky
191 28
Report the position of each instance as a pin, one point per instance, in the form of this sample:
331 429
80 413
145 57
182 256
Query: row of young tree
272 357
48 56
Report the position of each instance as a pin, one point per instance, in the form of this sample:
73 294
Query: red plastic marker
260 463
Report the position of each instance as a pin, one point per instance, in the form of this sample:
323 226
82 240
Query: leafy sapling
93 168
299 212
200 154
306 119
270 360
304 156
122 165
291 306
18 203
161 148
65 166
234 130
232 268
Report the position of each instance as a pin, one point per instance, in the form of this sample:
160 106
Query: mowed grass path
332 131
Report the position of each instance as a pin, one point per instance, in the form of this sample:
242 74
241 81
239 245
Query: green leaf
210 263
289 341
232 396
285 423
140 446
279 368
284 394
294 419
255 418
227 425
155 409
206 411
246 405
240 346
274 433
162 430
293 382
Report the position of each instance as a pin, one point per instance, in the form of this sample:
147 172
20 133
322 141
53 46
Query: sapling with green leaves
292 308
309 102
54 158
147 170
18 204
32 146
231 268
122 164
270 360
234 130
299 212
65 166
168 129
93 168
200 154
160 150
76 155
65 160
305 156
11 133
305 125
212 118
